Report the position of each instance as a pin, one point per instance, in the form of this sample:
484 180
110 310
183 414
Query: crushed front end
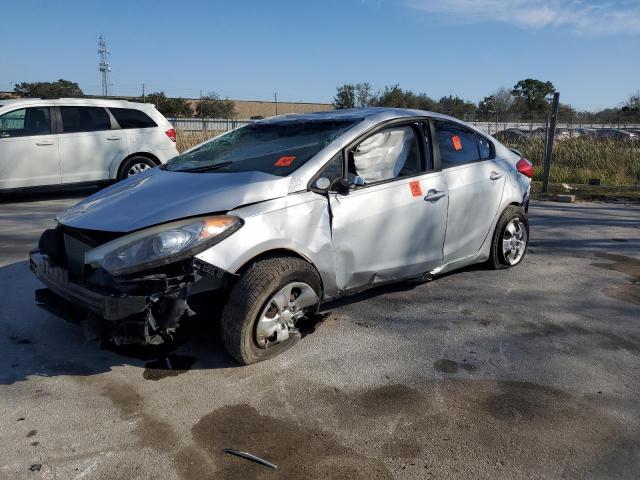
131 306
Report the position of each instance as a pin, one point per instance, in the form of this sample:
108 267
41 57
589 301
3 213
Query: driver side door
392 221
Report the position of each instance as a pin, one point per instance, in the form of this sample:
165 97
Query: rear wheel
264 307
510 238
134 165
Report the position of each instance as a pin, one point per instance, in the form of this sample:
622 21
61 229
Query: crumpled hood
160 196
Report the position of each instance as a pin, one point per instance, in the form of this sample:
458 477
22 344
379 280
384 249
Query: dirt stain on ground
630 266
153 432
299 451
169 366
451 366
496 429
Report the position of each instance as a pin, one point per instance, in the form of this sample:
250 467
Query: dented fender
298 223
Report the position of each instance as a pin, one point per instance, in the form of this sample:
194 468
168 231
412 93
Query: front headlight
162 244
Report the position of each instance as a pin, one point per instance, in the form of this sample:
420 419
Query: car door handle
43 143
434 195
114 138
496 175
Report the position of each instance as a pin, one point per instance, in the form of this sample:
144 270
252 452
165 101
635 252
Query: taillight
171 133
525 167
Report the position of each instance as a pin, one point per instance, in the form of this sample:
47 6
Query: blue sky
303 49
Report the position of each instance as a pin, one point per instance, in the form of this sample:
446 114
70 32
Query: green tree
456 107
57 89
630 112
170 107
345 96
364 95
487 108
394 96
212 106
534 96
566 112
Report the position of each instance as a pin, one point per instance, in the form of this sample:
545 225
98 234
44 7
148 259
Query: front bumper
108 306
149 314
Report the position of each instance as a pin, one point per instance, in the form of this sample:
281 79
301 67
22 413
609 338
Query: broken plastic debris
249 456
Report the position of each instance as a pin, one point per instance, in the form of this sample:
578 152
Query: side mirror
340 185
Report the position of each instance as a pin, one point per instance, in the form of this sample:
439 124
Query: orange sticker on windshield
457 143
284 161
416 190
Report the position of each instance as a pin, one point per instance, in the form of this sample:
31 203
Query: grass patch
185 139
577 160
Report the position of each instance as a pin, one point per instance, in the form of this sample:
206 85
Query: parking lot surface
531 372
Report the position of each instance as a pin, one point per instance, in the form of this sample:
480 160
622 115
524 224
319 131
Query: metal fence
223 125
207 124
493 127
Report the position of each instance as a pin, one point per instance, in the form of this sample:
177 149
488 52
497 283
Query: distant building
246 109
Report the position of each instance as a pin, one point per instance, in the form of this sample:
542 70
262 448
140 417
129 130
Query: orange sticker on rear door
416 190
457 143
284 161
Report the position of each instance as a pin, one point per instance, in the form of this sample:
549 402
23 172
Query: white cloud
620 17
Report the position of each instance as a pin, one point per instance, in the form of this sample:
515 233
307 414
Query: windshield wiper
206 168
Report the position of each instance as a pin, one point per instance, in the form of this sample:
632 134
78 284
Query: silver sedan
267 223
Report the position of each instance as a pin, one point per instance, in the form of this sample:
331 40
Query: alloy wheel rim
514 241
280 314
137 168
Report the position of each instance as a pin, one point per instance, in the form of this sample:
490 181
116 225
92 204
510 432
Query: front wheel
264 307
510 238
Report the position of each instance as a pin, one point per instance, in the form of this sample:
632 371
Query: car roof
373 114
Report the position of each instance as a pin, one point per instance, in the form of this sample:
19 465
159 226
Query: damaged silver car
269 222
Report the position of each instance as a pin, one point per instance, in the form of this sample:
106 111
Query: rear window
131 118
275 147
458 145
84 119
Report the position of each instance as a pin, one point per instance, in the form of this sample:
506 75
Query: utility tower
103 66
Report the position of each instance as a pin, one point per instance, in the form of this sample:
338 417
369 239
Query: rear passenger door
88 144
475 185
141 130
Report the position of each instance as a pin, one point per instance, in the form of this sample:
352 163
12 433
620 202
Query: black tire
128 164
497 259
249 296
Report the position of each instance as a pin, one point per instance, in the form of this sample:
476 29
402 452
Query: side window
458 145
84 119
131 118
333 170
485 148
387 154
25 122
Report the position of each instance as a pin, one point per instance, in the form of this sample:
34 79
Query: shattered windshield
275 147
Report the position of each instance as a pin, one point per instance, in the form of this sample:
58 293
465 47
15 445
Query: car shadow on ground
38 343
45 194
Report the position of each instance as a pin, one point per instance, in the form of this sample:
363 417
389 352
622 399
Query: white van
70 141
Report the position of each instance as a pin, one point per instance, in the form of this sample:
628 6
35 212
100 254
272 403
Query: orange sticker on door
416 190
284 161
457 143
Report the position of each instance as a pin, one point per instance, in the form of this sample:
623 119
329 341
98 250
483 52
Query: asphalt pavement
531 372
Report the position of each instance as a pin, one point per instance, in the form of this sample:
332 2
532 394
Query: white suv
69 141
